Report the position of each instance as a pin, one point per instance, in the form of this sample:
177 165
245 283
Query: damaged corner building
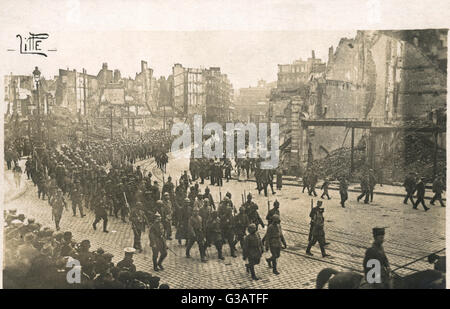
382 94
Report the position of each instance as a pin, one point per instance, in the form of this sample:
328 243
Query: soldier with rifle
251 209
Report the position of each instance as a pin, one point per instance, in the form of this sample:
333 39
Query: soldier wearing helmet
274 239
251 209
252 250
158 243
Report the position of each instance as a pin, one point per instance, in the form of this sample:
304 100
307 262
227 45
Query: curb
349 190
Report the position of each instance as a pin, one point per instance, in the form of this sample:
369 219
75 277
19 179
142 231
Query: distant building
291 76
252 103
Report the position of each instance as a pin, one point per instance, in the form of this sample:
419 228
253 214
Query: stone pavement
410 234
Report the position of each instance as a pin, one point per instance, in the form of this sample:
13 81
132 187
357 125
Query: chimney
330 55
105 66
143 65
313 54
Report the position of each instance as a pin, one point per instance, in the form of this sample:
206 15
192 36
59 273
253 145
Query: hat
276 203
319 203
249 196
228 194
378 231
251 228
157 216
129 250
276 218
166 193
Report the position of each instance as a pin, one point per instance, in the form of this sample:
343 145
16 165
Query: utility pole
164 118
111 123
84 92
352 150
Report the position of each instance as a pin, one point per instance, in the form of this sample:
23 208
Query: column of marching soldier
77 173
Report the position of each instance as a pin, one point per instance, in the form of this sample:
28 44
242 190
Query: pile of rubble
338 162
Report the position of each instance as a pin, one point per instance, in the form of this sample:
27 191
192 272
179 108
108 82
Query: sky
246 56
246 38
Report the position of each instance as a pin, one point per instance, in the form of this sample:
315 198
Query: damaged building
380 92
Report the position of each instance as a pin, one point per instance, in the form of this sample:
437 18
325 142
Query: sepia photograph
207 157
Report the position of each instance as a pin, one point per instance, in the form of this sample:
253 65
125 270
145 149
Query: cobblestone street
410 234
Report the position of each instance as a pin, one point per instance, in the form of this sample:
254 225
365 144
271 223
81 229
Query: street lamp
36 77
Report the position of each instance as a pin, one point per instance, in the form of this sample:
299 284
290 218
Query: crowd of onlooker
39 257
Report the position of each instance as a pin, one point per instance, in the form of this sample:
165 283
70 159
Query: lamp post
36 77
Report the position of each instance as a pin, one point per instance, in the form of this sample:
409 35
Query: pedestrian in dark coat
420 189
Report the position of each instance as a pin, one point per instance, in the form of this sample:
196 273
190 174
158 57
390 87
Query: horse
426 279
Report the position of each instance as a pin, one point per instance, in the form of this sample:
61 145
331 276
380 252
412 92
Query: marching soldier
58 204
240 224
208 196
251 209
312 183
305 181
318 232
29 168
101 214
138 222
274 239
185 212
274 211
410 187
166 216
228 168
158 243
214 234
77 198
343 187
326 184
438 187
196 234
376 252
279 173
372 183
420 188
225 213
252 250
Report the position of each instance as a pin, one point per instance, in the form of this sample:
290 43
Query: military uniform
410 187
196 234
138 223
325 186
240 224
438 187
251 209
77 198
225 213
214 234
274 239
318 233
58 204
101 214
274 211
166 217
343 186
420 188
158 243
252 250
